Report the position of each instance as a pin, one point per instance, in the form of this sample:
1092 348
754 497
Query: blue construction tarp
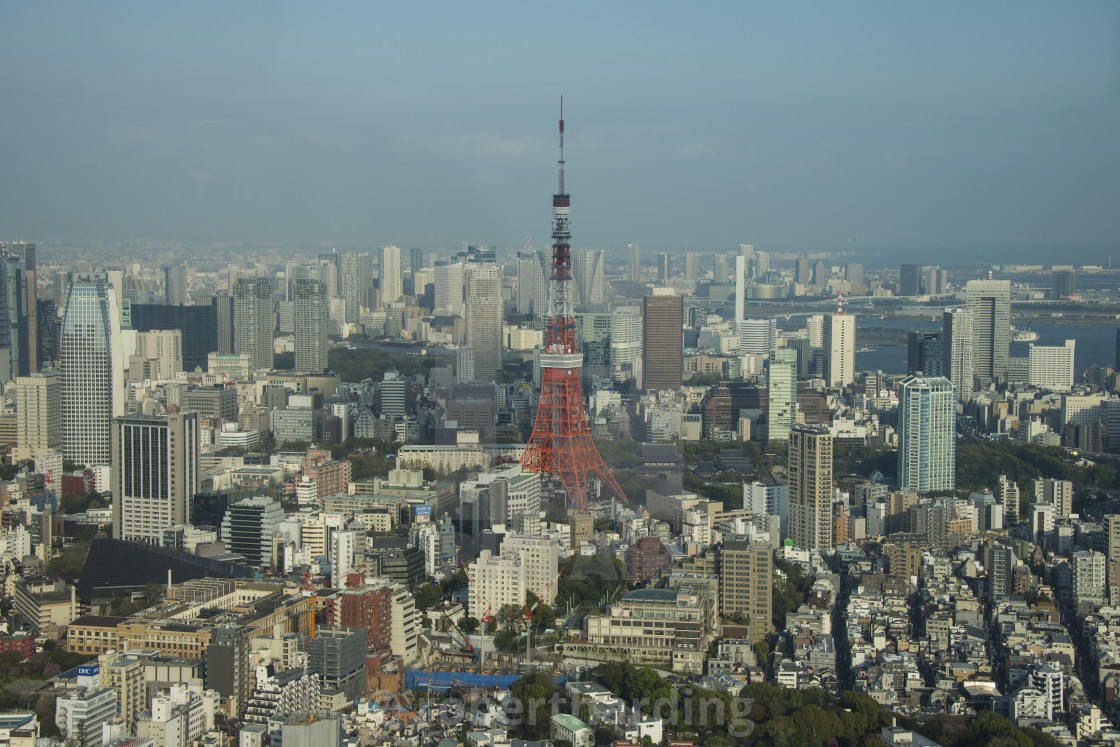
416 679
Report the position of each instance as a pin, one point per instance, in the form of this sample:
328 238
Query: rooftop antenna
840 305
561 161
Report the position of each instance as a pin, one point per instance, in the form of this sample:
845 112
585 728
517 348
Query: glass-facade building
926 434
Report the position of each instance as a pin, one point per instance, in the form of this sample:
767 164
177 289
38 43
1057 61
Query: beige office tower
810 487
155 474
484 320
990 304
634 265
746 585
839 349
38 414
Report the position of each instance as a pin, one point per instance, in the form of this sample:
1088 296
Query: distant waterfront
1096 345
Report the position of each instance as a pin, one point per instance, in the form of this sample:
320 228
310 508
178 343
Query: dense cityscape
797 424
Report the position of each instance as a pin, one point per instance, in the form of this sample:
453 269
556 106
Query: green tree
508 640
543 617
536 693
469 625
508 616
427 596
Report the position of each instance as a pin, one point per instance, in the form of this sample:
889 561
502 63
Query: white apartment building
1051 366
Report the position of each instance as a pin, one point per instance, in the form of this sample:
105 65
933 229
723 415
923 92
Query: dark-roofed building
661 458
115 567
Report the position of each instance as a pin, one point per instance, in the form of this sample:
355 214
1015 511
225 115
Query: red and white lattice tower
561 443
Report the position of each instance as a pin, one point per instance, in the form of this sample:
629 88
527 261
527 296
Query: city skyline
970 140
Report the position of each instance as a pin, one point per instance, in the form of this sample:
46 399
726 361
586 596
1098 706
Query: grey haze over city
984 133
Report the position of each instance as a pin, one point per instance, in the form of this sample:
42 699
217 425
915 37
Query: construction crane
467 647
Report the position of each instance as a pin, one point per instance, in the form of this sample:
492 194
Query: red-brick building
646 560
22 643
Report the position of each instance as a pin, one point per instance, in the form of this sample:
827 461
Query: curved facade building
89 370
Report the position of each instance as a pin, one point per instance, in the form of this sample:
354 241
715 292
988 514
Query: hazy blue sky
884 126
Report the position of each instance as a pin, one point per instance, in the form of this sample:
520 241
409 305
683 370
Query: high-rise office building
484 320
801 271
198 326
91 370
691 267
663 267
910 280
1064 283
223 324
587 270
923 353
758 336
746 585
311 341
450 282
810 487
990 304
156 474
532 283
853 272
927 424
839 346
326 271
391 274
626 335
247 528
721 270
820 274
957 355
415 260
634 263
740 289
662 352
355 277
934 281
761 267
253 321
15 351
781 392
46 334
1051 366
25 252
174 284
38 414
164 348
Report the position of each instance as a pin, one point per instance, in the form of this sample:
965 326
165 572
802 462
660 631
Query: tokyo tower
561 443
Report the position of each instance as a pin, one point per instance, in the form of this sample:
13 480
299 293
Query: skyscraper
910 280
781 392
252 321
634 266
839 349
223 319
355 276
15 351
662 352
721 270
663 267
587 269
449 287
810 487
923 353
853 272
311 339
691 267
957 361
1064 283
174 284
801 271
532 284
198 326
484 320
155 475
25 252
390 274
990 304
90 371
38 414
927 426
